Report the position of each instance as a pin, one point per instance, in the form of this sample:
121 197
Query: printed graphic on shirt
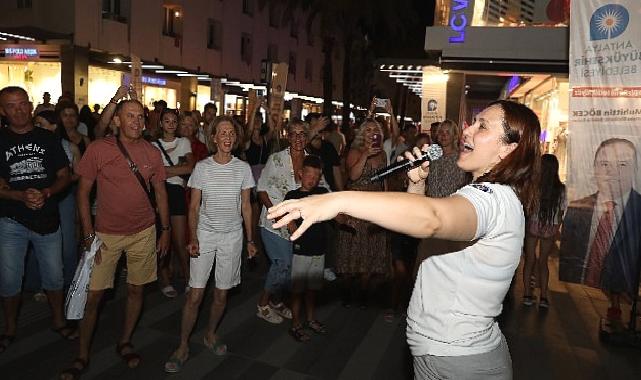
481 187
27 162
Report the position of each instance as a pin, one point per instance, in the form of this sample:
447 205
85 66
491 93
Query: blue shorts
279 251
47 249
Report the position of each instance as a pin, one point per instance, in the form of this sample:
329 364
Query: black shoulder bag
136 172
185 177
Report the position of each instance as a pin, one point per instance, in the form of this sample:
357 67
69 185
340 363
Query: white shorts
222 248
307 272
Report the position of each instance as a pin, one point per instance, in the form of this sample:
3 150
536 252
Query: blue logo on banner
609 21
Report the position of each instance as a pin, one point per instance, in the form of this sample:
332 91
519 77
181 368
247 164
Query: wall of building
143 35
55 16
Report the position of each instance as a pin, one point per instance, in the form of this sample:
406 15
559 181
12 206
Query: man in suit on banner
601 238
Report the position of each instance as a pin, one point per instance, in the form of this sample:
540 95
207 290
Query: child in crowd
308 254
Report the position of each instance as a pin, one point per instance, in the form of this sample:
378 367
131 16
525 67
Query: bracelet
113 101
89 237
165 228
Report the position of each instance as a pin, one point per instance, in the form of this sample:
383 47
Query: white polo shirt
457 295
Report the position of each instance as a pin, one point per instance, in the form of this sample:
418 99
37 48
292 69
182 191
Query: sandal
218 348
5 342
66 332
175 364
131 358
316 327
544 303
169 291
528 300
298 333
388 315
78 366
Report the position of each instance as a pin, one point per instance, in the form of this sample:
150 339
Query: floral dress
365 248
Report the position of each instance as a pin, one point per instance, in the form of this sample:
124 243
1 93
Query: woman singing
451 327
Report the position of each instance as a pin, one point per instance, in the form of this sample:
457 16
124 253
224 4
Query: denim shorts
279 251
47 249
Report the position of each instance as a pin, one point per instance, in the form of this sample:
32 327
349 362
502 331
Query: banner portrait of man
601 239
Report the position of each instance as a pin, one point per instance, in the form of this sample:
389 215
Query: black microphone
434 152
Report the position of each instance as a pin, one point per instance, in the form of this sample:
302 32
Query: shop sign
154 81
21 53
458 22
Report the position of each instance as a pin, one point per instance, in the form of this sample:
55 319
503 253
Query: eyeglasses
298 135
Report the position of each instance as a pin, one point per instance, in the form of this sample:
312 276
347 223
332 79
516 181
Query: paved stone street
561 343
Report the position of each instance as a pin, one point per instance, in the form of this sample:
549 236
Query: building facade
84 47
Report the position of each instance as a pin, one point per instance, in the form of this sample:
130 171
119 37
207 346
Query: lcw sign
458 21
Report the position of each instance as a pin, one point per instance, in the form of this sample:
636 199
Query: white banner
601 240
434 100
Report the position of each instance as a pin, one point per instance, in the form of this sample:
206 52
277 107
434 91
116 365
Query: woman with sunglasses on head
451 326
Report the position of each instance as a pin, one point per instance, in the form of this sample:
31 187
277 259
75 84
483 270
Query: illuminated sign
458 21
154 81
21 53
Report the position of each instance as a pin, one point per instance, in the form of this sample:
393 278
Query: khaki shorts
140 249
307 272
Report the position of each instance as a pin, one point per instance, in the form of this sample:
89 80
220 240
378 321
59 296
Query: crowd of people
184 194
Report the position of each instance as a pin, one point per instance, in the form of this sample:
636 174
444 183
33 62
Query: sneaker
329 274
281 310
528 300
544 303
268 314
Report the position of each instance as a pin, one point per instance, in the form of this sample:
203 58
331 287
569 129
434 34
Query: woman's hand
372 150
193 248
419 173
312 209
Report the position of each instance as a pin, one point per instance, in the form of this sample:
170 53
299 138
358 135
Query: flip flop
169 291
74 371
131 358
218 348
175 364
66 332
5 342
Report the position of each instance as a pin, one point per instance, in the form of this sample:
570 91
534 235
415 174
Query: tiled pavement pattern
561 343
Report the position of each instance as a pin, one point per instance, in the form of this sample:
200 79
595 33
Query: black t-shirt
314 241
329 157
257 154
31 160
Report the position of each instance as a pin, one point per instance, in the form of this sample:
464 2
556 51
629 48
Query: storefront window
203 97
550 102
35 77
103 84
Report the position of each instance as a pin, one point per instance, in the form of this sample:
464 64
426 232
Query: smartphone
377 140
381 103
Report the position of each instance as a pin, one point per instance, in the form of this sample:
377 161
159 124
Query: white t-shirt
180 147
82 129
392 152
221 185
457 295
